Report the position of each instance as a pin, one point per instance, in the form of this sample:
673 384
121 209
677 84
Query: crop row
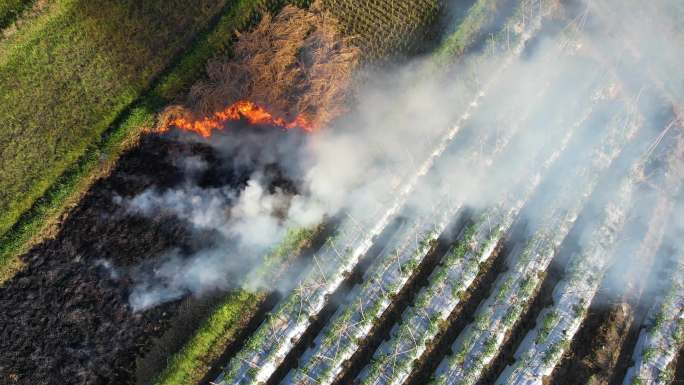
478 345
662 335
544 346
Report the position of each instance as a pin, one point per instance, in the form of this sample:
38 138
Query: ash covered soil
65 318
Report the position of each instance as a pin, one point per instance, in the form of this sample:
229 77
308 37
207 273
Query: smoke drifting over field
355 166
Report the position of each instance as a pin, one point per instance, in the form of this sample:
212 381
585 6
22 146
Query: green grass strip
479 16
195 360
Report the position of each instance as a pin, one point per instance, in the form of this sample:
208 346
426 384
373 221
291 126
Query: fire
242 109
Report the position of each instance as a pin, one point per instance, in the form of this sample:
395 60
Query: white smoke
357 164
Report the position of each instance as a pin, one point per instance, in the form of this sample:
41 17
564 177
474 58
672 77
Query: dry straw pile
296 63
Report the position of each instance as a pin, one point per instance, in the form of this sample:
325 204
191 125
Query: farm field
493 195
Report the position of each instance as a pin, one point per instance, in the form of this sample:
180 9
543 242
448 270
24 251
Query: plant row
544 346
662 335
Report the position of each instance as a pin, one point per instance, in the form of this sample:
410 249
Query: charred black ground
66 317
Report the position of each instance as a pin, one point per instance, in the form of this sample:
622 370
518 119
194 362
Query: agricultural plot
274 339
386 27
398 263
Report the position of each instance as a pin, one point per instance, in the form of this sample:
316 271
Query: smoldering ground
358 163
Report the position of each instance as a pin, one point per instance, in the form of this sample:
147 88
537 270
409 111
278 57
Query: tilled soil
65 318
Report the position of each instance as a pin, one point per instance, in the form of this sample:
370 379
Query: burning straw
292 70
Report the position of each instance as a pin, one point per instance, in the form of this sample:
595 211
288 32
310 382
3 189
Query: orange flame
251 112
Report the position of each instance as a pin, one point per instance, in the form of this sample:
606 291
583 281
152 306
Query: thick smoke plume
352 167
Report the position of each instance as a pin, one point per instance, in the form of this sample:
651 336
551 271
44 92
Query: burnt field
66 317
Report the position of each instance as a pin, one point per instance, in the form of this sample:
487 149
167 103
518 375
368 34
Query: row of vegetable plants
291 318
348 328
544 346
499 314
395 360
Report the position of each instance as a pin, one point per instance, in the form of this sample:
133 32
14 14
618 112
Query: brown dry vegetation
294 63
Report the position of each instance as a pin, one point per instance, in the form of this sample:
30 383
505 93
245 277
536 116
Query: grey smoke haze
356 165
